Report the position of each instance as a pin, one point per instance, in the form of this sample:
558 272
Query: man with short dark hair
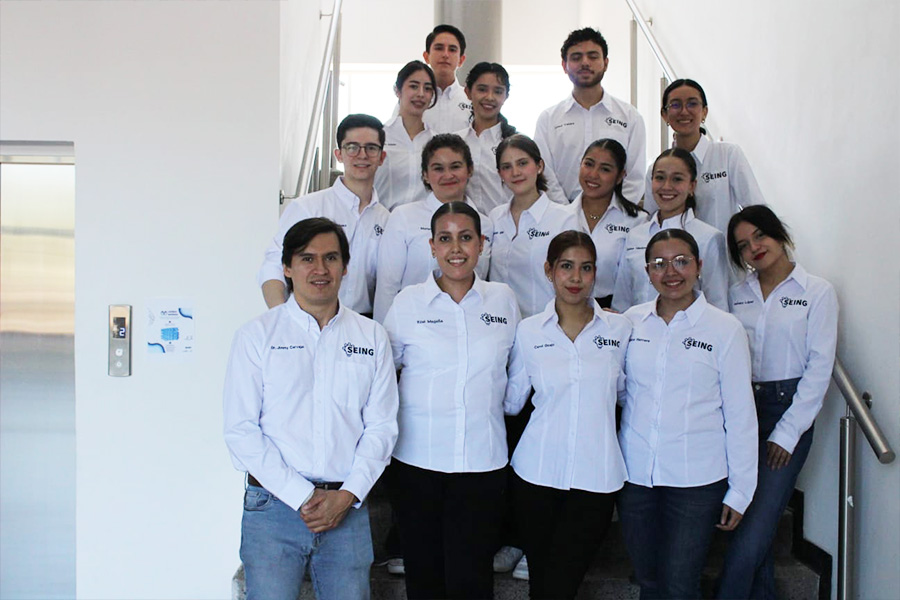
445 52
352 203
564 131
310 413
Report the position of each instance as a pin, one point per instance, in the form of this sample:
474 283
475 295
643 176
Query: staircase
610 575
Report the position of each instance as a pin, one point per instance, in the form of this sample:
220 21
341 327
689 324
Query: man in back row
564 131
445 53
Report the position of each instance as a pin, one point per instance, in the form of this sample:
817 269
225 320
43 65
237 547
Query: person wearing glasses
398 181
404 257
725 181
791 319
673 183
351 202
689 433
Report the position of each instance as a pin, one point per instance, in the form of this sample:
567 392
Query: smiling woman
451 336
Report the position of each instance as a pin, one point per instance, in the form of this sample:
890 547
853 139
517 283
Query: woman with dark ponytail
673 183
603 211
487 86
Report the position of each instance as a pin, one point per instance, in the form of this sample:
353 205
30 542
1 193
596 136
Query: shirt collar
570 102
307 320
798 274
692 313
434 290
699 151
451 89
549 317
351 200
672 222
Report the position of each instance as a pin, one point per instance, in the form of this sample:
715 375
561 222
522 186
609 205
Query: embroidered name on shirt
378 230
567 124
428 229
539 346
785 302
612 228
349 349
533 233
614 121
489 318
286 347
742 302
429 321
707 177
690 342
637 339
601 341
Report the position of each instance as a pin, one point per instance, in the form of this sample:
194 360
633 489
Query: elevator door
37 377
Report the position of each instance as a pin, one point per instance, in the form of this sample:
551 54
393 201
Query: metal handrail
668 71
309 149
859 404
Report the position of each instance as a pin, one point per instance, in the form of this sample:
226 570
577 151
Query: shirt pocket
352 382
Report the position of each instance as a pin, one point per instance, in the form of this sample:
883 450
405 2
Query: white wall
174 111
810 90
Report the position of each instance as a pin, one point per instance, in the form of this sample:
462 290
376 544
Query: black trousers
449 524
561 532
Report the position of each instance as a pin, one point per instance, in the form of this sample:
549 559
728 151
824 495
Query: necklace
593 217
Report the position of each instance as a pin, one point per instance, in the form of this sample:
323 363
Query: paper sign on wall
170 326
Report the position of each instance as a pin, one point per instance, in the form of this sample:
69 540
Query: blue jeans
667 532
277 547
749 570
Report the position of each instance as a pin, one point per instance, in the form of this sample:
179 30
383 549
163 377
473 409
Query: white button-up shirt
399 180
451 112
689 418
518 257
564 131
609 239
404 257
303 404
363 231
485 187
570 441
452 360
632 282
793 333
725 183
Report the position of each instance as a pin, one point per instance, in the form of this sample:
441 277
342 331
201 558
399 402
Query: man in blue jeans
310 406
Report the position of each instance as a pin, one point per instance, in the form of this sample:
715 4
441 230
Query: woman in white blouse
603 212
524 226
567 465
451 337
791 320
398 180
487 86
674 182
688 425
403 254
725 181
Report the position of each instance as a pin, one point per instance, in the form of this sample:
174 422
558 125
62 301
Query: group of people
494 275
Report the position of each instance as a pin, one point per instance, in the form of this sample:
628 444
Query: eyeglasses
352 149
692 105
680 263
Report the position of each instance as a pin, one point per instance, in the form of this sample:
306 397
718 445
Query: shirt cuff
297 493
358 485
784 439
736 500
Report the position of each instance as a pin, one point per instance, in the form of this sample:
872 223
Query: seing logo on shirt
533 233
690 342
707 177
489 318
613 228
378 230
465 106
785 302
613 121
349 349
601 341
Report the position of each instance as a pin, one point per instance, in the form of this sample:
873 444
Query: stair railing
326 97
858 405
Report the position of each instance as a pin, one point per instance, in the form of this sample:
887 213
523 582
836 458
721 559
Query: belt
320 485
779 387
